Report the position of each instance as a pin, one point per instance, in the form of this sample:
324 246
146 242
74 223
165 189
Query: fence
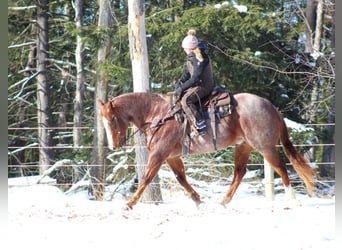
268 171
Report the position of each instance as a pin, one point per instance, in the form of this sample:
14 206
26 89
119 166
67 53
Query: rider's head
190 42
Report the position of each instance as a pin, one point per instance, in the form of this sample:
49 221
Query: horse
253 125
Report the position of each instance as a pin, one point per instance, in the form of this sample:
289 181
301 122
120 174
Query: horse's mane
145 96
151 104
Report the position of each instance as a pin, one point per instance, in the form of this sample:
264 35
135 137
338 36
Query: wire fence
210 171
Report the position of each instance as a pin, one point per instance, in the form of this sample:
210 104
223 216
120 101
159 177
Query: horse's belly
206 144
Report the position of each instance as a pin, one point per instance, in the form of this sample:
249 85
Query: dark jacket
197 73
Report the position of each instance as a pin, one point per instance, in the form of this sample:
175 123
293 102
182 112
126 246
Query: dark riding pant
191 97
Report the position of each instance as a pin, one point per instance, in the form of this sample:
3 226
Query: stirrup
201 131
200 125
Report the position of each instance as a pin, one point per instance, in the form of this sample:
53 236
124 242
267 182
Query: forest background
63 54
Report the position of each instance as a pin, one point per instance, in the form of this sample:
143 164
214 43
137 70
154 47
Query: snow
241 8
43 217
296 126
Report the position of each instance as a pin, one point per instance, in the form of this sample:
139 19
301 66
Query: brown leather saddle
220 103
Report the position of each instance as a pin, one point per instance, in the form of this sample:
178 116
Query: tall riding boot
200 124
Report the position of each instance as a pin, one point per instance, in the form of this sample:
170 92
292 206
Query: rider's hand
178 83
178 91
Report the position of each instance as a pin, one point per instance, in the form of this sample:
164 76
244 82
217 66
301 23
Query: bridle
117 128
149 125
123 140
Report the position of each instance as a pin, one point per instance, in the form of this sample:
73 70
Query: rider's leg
190 98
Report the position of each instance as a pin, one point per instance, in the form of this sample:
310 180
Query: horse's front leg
177 166
153 166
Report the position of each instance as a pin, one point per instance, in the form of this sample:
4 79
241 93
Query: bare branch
323 74
23 86
68 63
84 182
59 163
22 148
23 7
21 45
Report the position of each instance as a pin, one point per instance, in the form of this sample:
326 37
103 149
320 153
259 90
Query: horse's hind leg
177 166
241 156
273 158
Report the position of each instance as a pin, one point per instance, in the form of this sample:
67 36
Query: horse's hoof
126 208
223 204
200 204
295 203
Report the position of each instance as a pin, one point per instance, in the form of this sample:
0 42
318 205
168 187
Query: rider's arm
185 76
198 68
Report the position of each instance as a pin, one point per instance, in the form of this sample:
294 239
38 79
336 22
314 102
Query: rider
197 80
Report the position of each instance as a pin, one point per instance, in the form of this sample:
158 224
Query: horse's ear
100 103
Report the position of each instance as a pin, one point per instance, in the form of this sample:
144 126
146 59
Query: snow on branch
54 166
23 7
84 182
21 45
22 148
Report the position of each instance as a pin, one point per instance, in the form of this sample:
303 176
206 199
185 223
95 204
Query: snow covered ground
43 217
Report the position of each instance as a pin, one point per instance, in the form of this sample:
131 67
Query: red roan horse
254 124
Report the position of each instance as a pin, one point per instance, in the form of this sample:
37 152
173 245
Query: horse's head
114 126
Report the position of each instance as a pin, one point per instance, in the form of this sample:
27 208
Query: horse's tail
305 172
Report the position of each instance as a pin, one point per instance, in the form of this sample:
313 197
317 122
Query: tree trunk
310 24
98 170
313 37
43 86
140 69
78 105
318 30
328 170
32 54
314 16
314 24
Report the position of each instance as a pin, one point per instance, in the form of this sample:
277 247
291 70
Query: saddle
220 103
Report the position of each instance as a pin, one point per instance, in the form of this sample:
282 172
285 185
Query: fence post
269 181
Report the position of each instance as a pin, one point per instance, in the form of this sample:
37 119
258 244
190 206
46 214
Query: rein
149 125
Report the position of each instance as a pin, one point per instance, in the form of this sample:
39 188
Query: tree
261 51
328 170
101 88
140 69
79 93
43 86
321 86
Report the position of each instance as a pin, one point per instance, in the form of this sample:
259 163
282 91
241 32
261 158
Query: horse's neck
146 108
136 107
